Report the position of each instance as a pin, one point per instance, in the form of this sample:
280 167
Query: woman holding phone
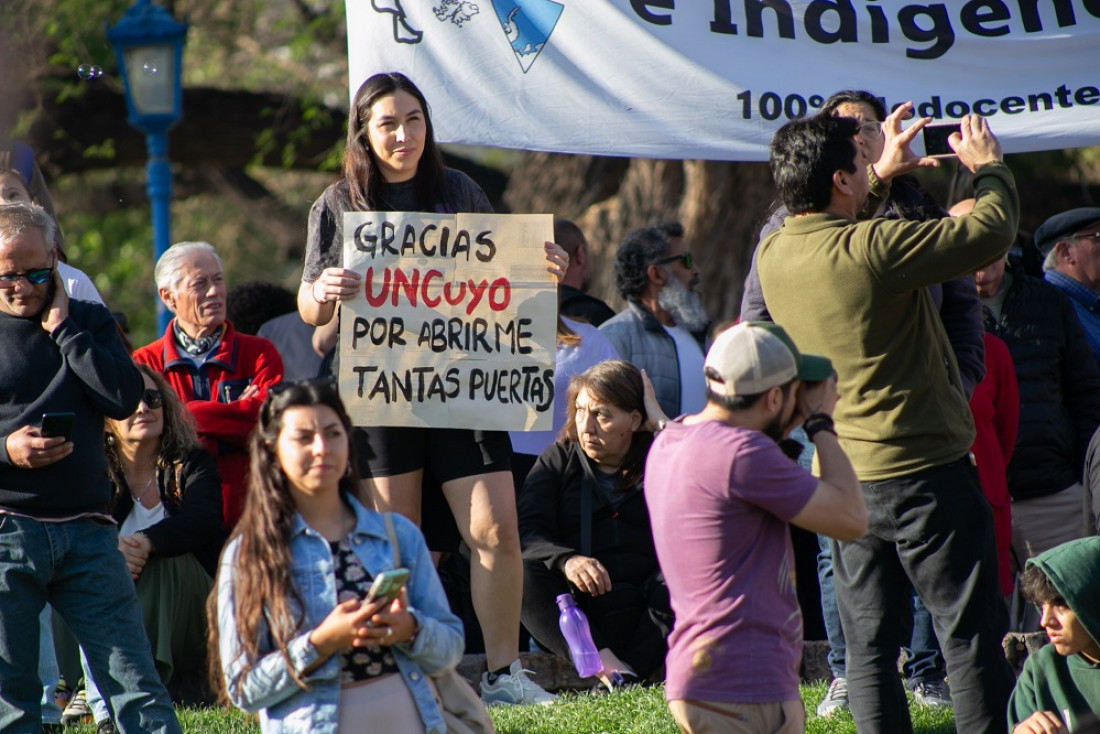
392 163
292 633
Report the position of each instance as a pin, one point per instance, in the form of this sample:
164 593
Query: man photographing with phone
57 542
857 292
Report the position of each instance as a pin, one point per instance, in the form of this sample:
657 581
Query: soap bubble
149 68
89 71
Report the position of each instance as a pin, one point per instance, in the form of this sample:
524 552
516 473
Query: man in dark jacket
574 300
1070 245
57 543
1059 406
1092 486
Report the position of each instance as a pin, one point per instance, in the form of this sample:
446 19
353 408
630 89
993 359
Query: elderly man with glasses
1070 244
663 327
221 375
58 545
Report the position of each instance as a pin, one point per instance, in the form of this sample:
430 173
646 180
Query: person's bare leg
399 493
612 664
484 508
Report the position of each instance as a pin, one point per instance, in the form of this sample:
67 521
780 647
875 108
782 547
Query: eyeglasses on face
34 277
870 130
685 256
153 399
1092 237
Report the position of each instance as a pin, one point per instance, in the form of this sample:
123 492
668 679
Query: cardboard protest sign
456 325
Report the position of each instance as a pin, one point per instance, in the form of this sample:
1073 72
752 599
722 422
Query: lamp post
148 44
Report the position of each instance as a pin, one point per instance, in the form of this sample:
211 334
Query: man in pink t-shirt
720 492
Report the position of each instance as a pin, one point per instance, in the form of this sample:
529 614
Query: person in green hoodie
1059 687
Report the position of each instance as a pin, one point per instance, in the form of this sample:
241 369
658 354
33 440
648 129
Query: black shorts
448 453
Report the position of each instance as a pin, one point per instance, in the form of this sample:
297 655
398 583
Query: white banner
714 79
457 323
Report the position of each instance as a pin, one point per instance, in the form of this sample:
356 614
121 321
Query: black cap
1059 226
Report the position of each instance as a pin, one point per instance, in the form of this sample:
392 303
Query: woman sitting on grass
585 526
292 636
167 499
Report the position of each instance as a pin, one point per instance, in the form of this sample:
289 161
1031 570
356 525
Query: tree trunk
721 206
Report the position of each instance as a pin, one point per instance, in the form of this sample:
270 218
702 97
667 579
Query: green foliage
116 250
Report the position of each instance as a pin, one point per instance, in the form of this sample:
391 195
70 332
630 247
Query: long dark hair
360 167
264 594
619 383
177 441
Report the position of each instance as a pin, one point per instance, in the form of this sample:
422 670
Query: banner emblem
402 31
527 24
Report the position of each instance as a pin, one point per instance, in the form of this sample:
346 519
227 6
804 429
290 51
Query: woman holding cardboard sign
392 163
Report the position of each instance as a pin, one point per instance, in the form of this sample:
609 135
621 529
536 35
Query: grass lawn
637 711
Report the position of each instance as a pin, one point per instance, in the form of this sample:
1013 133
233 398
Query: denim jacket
269 688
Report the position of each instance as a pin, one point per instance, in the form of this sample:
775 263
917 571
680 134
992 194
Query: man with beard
857 292
663 327
720 493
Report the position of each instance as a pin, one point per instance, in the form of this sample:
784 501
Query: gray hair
17 217
169 270
640 249
1050 262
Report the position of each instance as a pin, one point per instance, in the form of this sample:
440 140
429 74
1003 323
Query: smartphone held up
935 139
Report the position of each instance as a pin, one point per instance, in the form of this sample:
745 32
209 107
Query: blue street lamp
148 43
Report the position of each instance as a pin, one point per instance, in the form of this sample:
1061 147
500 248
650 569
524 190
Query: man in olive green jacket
857 292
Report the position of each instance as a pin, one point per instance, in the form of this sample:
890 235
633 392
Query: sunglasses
319 382
34 277
153 399
686 257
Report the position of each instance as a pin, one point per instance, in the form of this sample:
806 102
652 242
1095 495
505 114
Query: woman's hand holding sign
335 284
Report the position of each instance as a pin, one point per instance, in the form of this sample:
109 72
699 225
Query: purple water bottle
574 627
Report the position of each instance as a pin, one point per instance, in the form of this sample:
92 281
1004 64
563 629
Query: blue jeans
924 661
931 530
829 612
75 566
48 672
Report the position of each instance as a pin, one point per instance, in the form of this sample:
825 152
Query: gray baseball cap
755 356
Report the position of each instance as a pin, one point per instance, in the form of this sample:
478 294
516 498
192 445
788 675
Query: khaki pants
714 717
381 704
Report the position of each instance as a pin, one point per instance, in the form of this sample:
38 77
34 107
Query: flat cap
1057 227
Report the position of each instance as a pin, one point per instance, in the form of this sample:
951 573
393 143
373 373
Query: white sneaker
836 698
513 687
